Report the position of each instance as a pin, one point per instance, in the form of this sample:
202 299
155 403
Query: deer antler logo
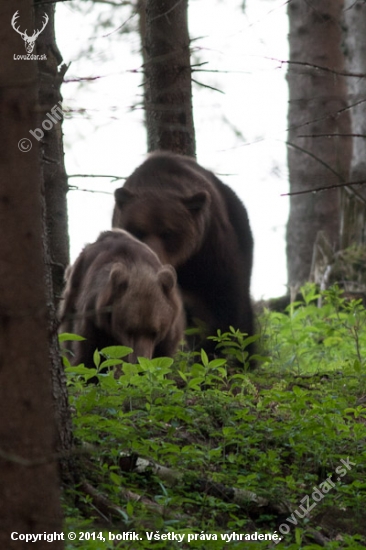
29 40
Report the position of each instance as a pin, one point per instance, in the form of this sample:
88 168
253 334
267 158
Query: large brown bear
196 223
119 293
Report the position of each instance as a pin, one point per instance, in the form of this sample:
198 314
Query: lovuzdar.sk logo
29 41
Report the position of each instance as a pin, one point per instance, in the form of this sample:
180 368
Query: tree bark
51 72
168 92
353 228
56 238
29 482
317 155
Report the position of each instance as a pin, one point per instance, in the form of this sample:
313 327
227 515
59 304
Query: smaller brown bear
118 293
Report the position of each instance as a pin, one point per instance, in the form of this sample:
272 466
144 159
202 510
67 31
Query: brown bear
119 293
196 223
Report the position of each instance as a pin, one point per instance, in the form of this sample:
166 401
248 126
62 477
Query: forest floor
198 454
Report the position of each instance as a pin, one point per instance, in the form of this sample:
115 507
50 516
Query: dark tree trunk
55 180
56 240
316 98
168 92
29 483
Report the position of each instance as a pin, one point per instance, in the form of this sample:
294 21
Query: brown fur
119 293
196 223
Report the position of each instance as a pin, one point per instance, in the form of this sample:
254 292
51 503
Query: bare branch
317 67
207 86
330 135
328 167
335 186
315 157
113 178
102 504
82 79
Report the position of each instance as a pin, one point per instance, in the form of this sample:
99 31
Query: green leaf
129 508
250 340
116 479
116 352
298 536
68 337
204 357
80 369
66 363
162 362
217 363
96 358
182 375
195 382
110 363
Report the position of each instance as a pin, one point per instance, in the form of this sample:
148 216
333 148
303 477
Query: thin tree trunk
168 92
29 483
317 98
353 228
51 72
56 239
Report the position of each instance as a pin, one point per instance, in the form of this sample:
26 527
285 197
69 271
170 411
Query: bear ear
122 196
117 281
118 277
167 278
197 201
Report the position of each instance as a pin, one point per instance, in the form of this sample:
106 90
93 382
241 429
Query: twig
334 186
76 188
318 67
330 135
97 176
207 86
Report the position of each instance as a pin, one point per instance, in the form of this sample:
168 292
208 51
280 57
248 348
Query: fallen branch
246 499
105 508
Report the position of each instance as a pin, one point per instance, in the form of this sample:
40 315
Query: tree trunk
56 239
55 180
317 155
354 208
29 483
168 92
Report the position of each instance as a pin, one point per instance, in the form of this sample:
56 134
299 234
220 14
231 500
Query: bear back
195 222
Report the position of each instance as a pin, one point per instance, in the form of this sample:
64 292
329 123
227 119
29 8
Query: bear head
139 307
173 226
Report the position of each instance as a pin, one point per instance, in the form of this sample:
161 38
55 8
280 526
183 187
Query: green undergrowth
200 447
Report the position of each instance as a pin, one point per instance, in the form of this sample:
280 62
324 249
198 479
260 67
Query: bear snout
143 346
